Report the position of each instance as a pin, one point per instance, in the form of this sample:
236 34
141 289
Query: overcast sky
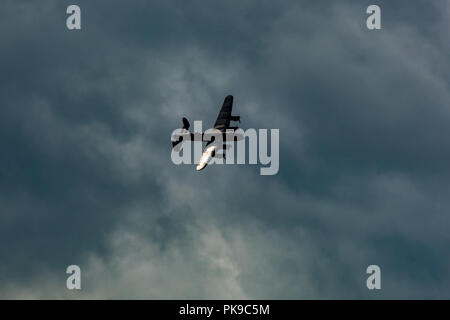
86 176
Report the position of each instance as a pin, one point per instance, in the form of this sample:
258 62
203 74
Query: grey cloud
85 165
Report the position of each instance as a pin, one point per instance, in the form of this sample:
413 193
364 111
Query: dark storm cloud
86 176
59 193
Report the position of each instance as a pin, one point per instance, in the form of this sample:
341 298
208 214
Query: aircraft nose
201 166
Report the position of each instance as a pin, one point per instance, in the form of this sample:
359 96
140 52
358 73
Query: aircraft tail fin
176 143
186 124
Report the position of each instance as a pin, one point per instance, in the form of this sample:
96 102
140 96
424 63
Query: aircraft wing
222 124
224 117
